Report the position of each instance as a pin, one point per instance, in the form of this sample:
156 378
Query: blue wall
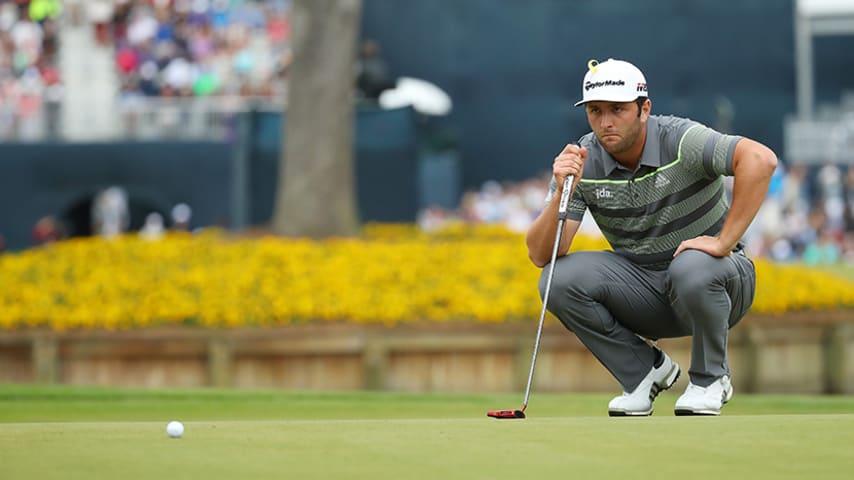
386 151
38 180
59 180
514 67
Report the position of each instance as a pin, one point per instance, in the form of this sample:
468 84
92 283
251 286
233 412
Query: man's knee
574 274
694 272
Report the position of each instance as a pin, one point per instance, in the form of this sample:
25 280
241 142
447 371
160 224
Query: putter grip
564 196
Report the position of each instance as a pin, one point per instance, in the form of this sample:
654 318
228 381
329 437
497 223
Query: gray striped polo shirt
677 192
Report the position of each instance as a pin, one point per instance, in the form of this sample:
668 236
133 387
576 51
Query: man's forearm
754 166
541 234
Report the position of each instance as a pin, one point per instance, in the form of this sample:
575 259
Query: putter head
505 414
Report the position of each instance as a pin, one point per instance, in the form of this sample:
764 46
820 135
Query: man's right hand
570 161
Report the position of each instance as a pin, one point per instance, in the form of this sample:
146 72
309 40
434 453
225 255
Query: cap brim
630 99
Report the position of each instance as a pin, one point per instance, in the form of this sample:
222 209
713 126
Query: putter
561 215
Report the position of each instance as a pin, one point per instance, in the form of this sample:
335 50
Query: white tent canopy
422 95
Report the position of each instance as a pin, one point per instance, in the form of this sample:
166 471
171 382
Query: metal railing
209 118
137 118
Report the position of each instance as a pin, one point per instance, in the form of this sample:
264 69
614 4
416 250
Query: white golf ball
175 429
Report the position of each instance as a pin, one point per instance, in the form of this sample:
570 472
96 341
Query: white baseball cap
612 81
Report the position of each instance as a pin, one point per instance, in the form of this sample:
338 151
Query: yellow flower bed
394 274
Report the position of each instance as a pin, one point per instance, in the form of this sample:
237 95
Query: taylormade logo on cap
612 81
589 85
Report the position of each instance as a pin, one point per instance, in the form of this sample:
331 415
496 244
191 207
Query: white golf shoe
639 402
704 400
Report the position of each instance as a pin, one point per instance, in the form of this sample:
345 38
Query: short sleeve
552 190
700 146
577 206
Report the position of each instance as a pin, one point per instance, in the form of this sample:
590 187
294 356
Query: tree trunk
316 196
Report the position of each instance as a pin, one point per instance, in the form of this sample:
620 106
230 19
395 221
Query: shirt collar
651 156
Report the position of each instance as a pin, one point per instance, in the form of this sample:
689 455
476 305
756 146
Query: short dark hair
640 101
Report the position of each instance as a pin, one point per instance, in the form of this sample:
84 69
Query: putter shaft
562 213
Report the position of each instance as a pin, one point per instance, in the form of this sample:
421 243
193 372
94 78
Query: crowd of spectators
808 215
512 204
194 48
29 74
161 48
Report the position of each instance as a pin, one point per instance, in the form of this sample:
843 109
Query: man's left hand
711 245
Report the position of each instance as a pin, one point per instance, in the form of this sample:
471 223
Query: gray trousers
608 301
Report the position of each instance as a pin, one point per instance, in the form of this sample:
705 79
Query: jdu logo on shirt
602 192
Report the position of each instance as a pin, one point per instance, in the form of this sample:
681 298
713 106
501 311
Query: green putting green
89 433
